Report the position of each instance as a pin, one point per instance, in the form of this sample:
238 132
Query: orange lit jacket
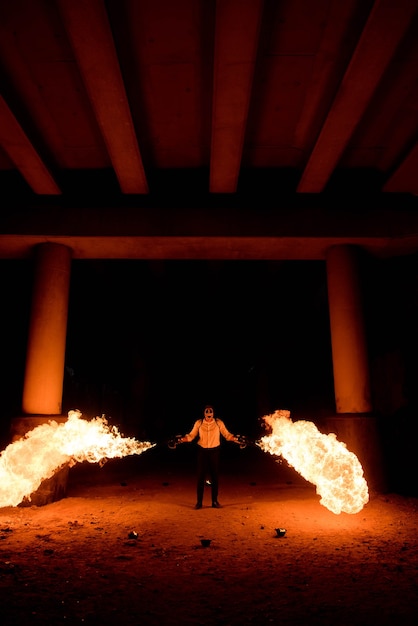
209 433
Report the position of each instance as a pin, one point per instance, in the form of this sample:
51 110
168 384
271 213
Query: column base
51 489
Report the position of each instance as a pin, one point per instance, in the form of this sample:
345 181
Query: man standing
209 430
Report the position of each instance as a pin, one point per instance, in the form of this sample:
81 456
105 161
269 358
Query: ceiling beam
237 31
214 248
384 30
21 152
91 38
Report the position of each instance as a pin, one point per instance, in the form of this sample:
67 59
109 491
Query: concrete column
348 336
45 359
354 424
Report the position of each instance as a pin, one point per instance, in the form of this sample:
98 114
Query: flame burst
320 459
36 457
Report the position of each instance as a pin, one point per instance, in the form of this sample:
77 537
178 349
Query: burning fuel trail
25 463
320 459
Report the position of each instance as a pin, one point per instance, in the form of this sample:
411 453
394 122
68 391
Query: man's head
208 412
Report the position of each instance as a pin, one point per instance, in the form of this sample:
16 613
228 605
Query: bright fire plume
320 459
36 457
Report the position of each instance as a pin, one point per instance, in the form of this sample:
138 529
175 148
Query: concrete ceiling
161 129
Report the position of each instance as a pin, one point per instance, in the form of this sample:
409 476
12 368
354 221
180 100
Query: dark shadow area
151 343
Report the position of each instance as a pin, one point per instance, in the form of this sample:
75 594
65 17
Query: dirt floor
124 547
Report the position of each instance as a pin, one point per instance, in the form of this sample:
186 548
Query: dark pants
207 465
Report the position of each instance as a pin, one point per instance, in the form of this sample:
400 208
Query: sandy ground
124 547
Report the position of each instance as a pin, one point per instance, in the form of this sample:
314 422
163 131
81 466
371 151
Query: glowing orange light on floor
320 459
27 462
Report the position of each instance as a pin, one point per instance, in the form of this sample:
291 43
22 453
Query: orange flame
320 459
25 463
